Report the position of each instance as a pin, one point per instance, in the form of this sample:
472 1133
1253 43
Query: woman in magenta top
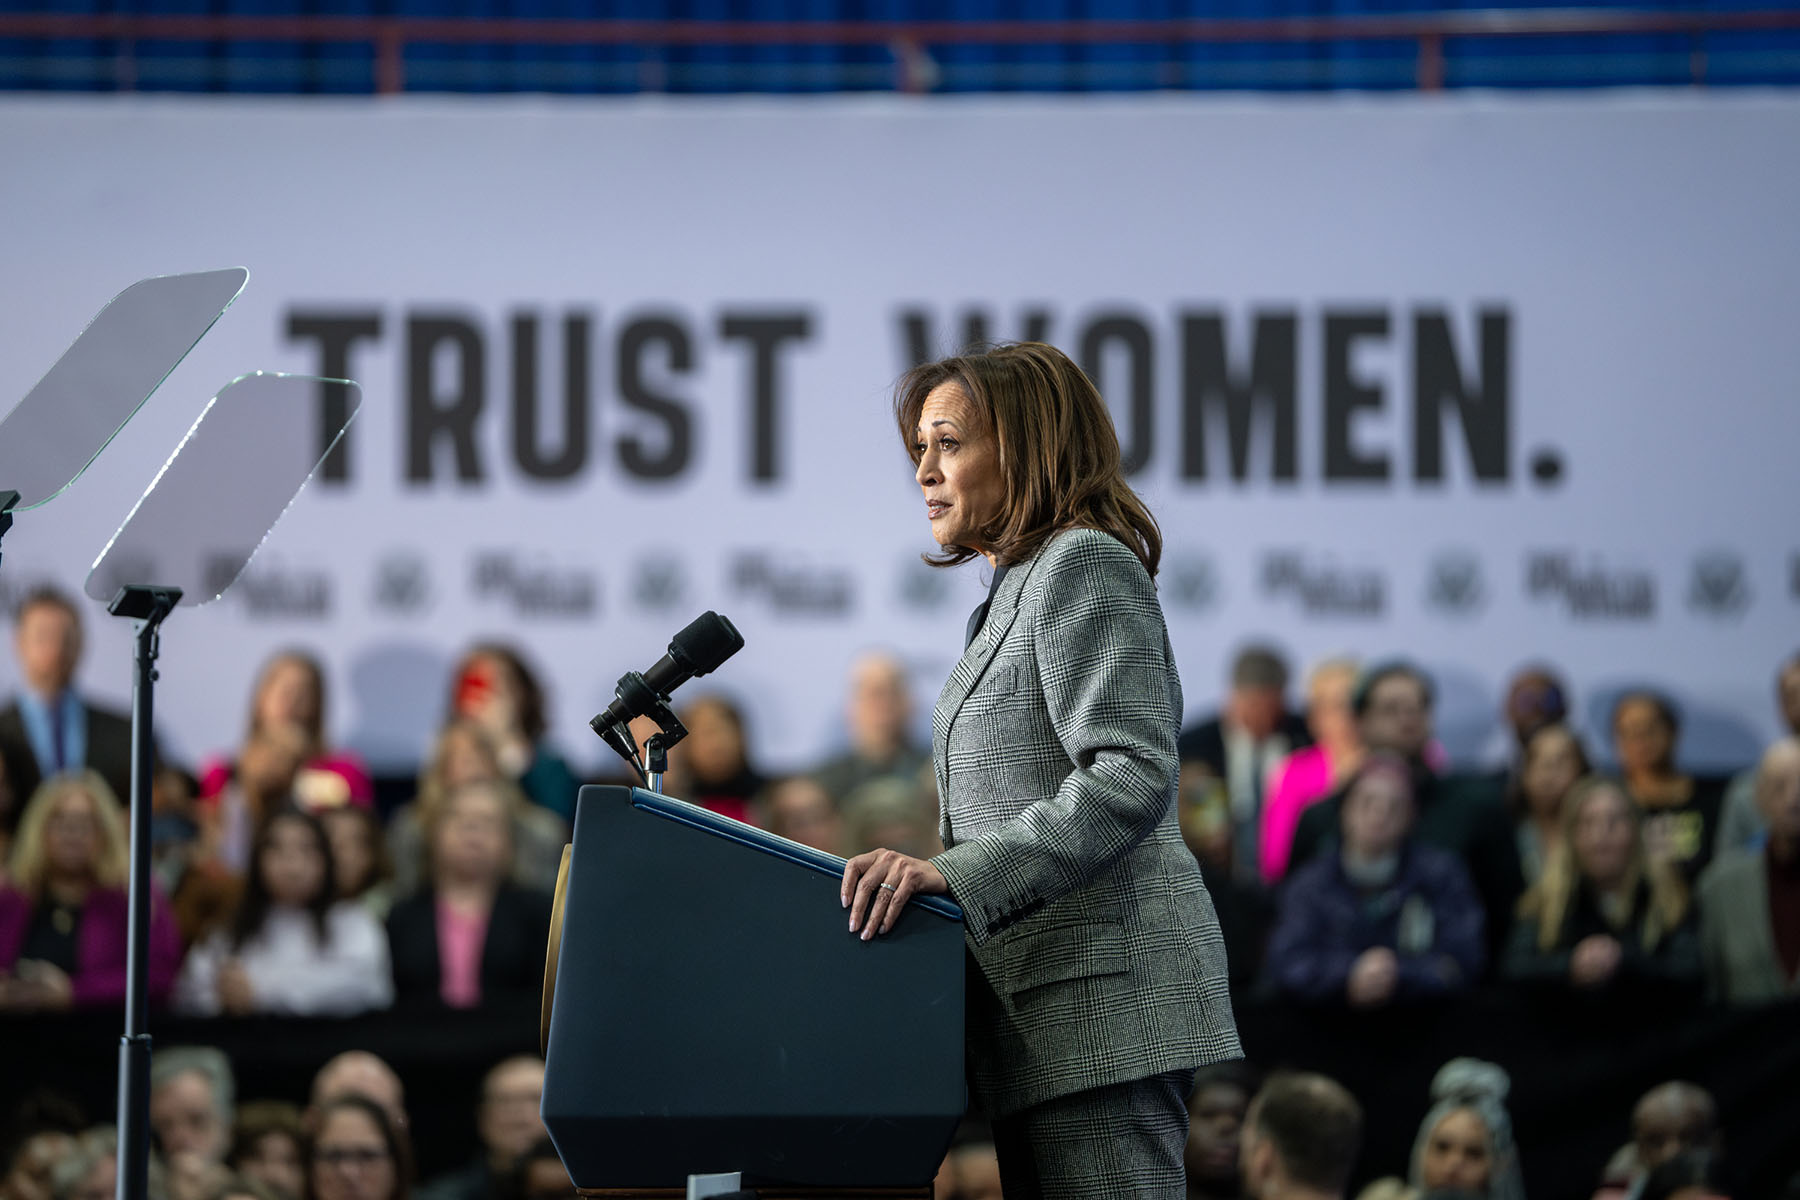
284 757
64 914
1308 775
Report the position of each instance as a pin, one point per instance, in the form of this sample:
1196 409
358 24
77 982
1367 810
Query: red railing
909 42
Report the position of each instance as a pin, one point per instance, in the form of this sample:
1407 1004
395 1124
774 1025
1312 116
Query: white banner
1477 380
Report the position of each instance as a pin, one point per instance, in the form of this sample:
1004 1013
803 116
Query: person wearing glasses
357 1153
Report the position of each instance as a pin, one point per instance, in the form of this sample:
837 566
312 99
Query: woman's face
1377 810
473 836
350 1159
274 1159
349 832
1328 708
714 748
1456 1154
959 467
1604 836
286 696
1642 739
292 867
72 835
1552 765
467 759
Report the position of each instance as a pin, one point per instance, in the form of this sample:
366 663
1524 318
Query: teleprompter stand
208 510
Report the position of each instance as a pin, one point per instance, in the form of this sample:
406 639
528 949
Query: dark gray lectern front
711 1013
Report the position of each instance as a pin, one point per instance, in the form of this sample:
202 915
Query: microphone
695 651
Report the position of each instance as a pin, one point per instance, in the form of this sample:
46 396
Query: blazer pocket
1066 952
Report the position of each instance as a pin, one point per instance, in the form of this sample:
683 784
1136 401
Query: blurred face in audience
1257 710
184 1114
1789 692
1328 706
1669 1120
1643 740
801 810
1778 791
714 749
1533 701
1604 836
292 863
48 643
510 1099
1377 811
359 1073
473 841
878 705
1215 1126
1456 1154
29 1177
352 833
1552 765
286 695
1397 718
977 1172
100 1183
350 1159
72 836
466 757
274 1159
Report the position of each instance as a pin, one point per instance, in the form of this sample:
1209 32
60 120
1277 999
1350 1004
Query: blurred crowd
1352 864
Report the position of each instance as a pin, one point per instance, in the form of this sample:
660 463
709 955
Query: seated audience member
1550 763
716 758
359 857
1690 1175
49 728
1243 744
1681 813
293 946
898 814
540 1175
464 755
508 1125
800 809
1604 918
285 758
65 914
1244 907
41 1133
1535 698
1465 1143
494 688
191 1095
268 1148
1466 816
1216 1108
357 1073
1750 899
878 716
356 1152
971 1169
1740 820
471 936
1300 1140
1384 918
1313 772
90 1170
1672 1119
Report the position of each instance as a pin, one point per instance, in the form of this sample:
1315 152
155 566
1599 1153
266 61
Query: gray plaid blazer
1098 953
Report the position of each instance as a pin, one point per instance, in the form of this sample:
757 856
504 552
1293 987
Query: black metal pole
147 606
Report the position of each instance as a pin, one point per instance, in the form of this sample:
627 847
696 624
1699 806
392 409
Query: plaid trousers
1126 1139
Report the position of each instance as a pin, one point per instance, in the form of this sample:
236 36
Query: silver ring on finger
888 887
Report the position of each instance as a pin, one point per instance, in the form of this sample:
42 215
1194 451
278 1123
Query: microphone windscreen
708 641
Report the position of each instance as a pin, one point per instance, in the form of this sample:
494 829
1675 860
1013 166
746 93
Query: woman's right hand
1594 960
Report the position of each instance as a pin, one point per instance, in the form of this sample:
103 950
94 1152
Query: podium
708 1011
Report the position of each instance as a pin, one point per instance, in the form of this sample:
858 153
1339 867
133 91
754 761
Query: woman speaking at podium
1098 980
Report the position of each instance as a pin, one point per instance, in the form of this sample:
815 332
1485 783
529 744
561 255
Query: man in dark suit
49 727
1243 744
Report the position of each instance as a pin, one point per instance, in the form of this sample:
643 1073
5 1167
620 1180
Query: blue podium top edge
693 815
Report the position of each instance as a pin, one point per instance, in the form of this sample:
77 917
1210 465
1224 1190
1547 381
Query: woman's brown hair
1058 450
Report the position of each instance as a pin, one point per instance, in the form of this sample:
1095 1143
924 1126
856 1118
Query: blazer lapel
973 665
